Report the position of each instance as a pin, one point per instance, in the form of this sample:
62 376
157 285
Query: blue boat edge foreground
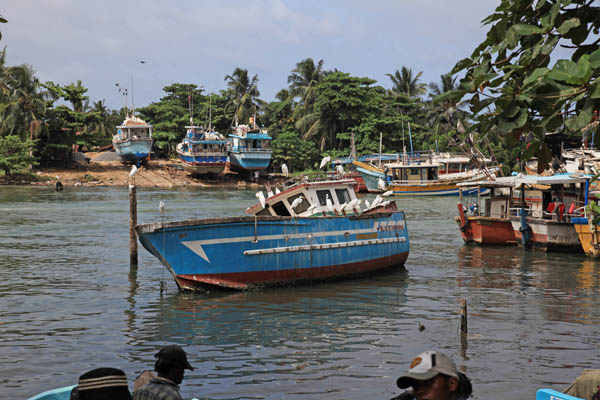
287 241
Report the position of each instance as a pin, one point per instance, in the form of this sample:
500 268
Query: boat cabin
304 199
197 140
412 172
494 199
133 128
250 139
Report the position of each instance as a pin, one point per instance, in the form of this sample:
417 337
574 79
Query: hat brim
408 379
186 365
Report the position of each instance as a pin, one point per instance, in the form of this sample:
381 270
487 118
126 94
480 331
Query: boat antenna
402 118
132 106
410 138
123 93
190 107
209 113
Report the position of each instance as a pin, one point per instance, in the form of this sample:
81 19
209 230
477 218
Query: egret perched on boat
277 191
324 161
329 203
367 204
311 208
353 203
388 193
376 202
261 198
296 203
381 184
284 169
340 169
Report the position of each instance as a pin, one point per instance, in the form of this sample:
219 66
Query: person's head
171 361
433 376
102 383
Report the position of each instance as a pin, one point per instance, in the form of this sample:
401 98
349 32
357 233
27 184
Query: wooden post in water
133 252
463 318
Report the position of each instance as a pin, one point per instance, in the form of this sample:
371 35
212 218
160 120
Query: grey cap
425 366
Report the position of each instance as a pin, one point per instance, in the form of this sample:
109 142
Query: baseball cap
425 366
173 354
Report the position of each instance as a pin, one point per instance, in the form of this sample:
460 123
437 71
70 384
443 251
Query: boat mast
210 113
132 106
380 140
190 108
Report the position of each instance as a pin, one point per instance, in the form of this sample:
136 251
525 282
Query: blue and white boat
308 231
63 393
133 140
250 149
203 151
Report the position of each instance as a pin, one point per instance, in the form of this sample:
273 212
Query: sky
103 43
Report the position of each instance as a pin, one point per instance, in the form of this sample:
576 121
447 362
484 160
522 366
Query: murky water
69 302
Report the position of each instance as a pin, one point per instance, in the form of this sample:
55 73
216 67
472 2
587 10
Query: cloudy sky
195 41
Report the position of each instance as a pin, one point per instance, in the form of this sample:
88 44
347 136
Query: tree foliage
514 88
15 154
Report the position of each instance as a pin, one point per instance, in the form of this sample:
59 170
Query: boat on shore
250 149
309 231
133 140
203 151
545 210
486 220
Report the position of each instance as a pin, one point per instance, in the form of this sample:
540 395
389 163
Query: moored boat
203 151
308 231
63 393
250 149
547 205
133 140
588 234
486 220
416 179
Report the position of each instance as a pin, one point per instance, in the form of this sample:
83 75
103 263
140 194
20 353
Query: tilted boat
203 151
250 148
307 231
547 205
486 220
133 140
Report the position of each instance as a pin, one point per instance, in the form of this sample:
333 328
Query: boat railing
253 150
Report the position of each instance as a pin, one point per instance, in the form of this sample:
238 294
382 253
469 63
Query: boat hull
247 252
548 235
248 161
209 164
589 236
133 150
433 189
370 178
487 230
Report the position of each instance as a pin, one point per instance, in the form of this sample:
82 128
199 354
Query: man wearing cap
171 362
102 383
433 376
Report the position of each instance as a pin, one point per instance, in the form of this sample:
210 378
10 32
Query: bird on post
132 173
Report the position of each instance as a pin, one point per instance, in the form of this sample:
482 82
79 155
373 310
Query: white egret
284 169
324 161
133 171
367 204
161 208
261 198
376 202
277 191
270 193
353 203
329 203
381 184
310 209
340 169
388 193
296 203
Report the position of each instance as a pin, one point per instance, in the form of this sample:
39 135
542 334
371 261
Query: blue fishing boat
250 148
133 140
308 231
203 151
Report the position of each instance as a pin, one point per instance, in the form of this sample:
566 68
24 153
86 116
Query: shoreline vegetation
105 169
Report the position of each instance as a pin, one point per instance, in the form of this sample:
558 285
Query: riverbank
105 169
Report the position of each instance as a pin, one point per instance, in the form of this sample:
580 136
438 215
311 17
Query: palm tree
405 83
302 82
244 94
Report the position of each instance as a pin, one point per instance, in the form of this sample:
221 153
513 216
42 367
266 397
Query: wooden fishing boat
307 231
133 140
203 151
250 149
588 234
486 220
547 204
550 394
416 179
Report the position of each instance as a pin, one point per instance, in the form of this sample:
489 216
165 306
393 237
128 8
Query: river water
70 302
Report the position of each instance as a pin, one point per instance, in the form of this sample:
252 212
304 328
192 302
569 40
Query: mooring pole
133 252
463 317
